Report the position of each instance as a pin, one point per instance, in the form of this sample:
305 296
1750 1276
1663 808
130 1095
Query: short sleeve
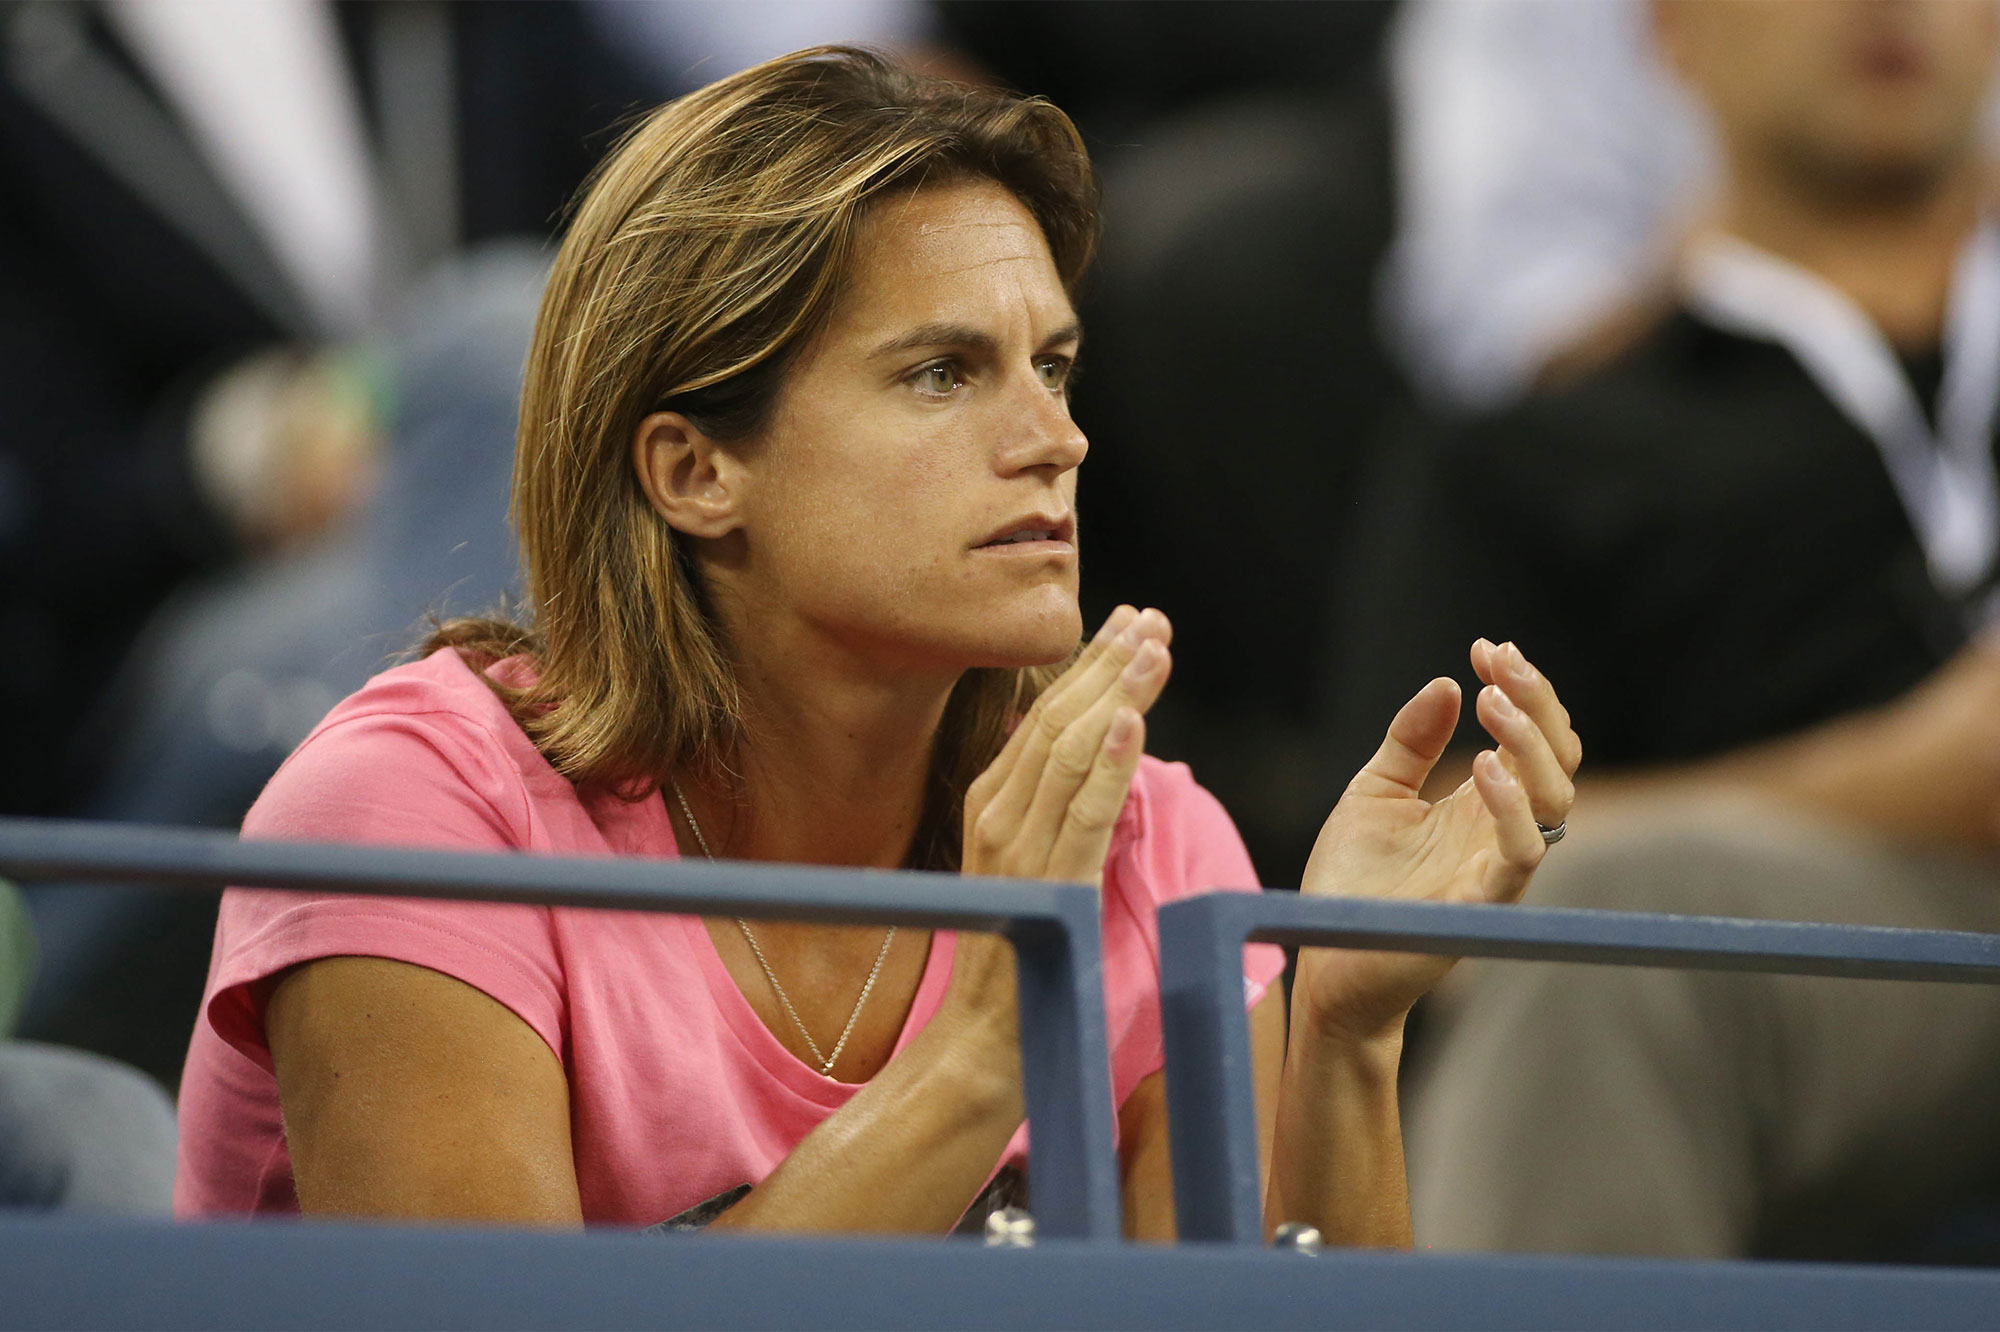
434 780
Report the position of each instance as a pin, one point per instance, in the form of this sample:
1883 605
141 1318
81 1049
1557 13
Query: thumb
1416 739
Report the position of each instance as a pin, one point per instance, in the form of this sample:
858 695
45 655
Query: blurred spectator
685 44
1547 166
77 1132
200 198
234 670
1753 553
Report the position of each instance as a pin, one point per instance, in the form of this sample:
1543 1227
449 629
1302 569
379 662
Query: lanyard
1945 477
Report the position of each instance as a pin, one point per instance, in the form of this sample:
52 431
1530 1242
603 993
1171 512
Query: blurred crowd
1661 337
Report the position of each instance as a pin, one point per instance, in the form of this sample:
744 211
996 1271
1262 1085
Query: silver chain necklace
826 1062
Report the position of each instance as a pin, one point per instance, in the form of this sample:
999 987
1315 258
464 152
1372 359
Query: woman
795 486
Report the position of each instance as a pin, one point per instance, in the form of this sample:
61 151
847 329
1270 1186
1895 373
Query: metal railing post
1216 1193
1065 1067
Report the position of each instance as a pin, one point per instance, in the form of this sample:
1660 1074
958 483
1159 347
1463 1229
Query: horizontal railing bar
1623 938
1054 927
185 858
72 1273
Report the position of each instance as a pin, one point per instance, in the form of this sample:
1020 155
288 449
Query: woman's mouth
1036 534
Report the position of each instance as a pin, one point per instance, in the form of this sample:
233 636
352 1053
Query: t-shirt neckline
645 827
770 1053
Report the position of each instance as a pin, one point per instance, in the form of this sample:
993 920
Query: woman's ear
692 481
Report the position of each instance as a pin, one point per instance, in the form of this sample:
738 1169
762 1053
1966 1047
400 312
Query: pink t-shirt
678 1090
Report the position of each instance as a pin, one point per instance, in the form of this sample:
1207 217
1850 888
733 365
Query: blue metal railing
1210 1111
1065 1066
79 1272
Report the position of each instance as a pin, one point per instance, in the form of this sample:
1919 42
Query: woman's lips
1034 534
1043 542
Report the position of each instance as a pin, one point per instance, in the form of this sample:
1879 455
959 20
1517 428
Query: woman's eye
940 379
1054 372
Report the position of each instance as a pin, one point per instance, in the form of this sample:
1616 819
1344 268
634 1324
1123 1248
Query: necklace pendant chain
825 1061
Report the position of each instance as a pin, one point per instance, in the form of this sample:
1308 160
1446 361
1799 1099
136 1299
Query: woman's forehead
953 253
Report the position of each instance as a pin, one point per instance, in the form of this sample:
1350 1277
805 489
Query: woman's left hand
1479 844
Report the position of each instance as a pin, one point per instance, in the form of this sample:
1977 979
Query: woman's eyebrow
939 335
964 338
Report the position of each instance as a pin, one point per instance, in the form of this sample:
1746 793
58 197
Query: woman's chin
1031 636
1042 644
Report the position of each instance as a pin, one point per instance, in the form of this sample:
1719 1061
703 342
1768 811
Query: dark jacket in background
1695 544
129 278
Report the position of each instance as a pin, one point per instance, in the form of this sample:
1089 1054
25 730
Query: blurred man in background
1547 164
1756 553
205 207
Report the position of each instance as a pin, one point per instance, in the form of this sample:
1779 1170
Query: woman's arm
1338 1160
412 1095
1340 1168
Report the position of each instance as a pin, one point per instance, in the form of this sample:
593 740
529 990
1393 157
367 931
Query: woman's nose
1045 435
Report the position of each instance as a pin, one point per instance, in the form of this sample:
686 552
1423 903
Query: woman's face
913 498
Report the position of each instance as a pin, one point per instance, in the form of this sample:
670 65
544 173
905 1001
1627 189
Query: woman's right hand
1046 807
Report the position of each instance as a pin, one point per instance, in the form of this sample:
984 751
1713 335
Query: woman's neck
834 760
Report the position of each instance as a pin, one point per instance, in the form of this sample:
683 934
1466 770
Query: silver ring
1550 836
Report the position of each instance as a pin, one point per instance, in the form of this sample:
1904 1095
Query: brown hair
705 256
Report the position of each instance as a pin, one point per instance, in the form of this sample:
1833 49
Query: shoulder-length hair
704 258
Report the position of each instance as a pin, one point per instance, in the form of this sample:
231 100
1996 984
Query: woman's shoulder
421 747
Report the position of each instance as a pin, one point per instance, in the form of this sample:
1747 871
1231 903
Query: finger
1483 664
1416 739
1525 750
1113 625
1536 696
1519 840
1084 838
1027 750
1024 735
1073 758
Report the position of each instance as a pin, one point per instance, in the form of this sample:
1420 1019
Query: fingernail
1486 643
1143 664
1502 704
1133 631
1517 663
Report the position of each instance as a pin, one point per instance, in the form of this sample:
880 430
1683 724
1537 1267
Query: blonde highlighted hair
704 258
